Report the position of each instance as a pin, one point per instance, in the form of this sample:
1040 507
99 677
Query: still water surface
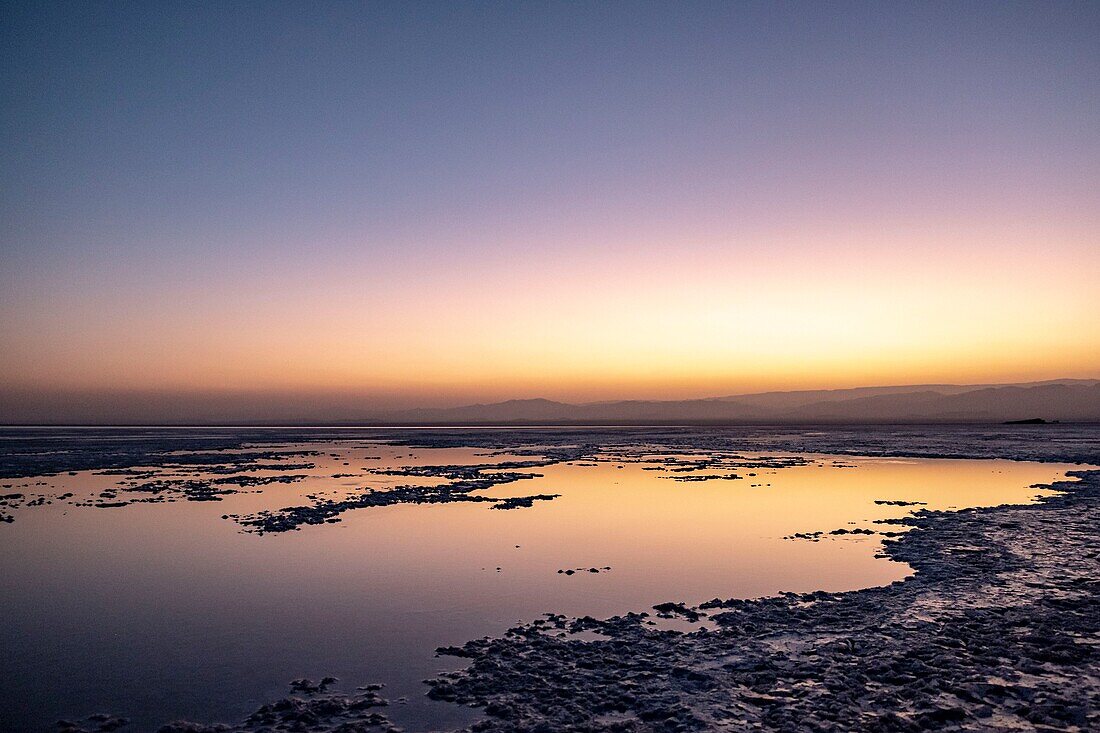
167 611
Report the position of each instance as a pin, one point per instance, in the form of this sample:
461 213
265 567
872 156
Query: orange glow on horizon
420 207
723 319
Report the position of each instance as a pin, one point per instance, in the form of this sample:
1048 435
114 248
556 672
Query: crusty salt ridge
998 629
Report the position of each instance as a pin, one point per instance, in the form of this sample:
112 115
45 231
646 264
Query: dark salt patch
96 723
705 477
465 480
593 571
312 706
517 502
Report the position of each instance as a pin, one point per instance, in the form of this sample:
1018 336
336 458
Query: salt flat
148 558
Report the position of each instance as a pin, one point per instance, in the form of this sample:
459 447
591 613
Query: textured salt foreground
997 629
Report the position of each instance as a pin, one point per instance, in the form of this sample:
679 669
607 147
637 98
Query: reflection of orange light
663 539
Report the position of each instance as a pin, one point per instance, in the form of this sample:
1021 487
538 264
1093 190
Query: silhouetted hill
1065 400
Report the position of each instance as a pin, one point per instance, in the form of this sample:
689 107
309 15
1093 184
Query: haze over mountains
1064 400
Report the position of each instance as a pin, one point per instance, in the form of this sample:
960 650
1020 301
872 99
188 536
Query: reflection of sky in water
165 611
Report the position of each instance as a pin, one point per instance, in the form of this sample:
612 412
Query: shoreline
996 629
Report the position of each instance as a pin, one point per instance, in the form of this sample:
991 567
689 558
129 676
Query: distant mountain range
1068 400
1065 400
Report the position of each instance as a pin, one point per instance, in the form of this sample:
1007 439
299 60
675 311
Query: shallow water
159 611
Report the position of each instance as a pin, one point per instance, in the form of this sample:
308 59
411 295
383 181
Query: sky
438 203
